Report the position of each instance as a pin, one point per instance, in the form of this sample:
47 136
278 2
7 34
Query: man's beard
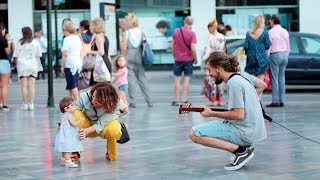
218 80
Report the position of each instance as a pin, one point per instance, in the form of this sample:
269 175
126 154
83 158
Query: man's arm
233 114
194 53
172 46
123 44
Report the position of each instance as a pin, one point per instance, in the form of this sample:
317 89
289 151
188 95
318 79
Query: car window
311 45
235 43
294 45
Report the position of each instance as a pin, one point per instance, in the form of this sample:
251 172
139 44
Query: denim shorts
72 80
221 130
183 66
123 87
5 67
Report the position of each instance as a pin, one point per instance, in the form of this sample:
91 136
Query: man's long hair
221 59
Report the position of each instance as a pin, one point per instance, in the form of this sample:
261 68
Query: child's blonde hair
116 59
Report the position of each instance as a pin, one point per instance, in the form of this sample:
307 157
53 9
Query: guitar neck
199 109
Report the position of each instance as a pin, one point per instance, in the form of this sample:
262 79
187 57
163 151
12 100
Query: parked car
304 59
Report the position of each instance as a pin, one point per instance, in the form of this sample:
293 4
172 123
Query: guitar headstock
184 108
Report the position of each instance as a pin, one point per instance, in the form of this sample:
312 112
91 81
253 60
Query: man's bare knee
192 136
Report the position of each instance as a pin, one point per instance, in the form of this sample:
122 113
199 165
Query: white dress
27 58
68 139
215 43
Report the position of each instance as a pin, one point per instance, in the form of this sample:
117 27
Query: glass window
311 45
254 2
294 45
69 4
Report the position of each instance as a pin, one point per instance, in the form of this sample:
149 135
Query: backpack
85 47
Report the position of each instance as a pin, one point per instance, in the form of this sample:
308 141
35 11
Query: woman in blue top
256 45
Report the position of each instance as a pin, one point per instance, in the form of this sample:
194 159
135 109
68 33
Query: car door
296 67
311 48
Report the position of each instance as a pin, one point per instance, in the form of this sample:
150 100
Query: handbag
100 70
125 135
88 61
147 53
241 57
267 80
83 81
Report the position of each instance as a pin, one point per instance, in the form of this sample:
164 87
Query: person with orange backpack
87 39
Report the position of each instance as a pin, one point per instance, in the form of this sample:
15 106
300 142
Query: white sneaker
5 108
70 164
233 157
31 107
25 107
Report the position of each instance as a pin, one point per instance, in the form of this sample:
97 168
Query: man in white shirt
43 42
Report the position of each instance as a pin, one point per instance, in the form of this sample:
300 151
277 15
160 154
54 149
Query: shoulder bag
184 39
147 54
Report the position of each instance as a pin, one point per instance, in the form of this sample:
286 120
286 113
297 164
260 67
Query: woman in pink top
121 76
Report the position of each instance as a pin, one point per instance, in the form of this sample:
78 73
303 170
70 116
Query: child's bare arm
117 74
72 121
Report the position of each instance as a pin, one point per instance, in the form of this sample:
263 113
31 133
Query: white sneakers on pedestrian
25 107
31 107
28 107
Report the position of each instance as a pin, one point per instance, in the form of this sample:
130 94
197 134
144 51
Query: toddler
121 76
67 139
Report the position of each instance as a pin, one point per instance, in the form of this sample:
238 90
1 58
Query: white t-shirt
73 45
27 58
134 36
215 43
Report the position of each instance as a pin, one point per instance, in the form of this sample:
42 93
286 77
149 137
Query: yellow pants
111 132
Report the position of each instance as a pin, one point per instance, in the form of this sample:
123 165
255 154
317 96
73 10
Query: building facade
297 15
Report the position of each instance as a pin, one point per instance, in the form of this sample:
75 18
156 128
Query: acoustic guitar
184 109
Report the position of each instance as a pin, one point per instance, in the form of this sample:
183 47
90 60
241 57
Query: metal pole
50 102
56 66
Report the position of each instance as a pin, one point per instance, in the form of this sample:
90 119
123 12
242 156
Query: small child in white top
67 139
121 76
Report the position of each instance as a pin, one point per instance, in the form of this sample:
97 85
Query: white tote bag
100 70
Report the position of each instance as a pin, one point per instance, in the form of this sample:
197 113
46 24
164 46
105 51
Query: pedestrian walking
216 42
71 63
27 54
131 49
5 69
256 45
279 53
43 42
184 52
121 76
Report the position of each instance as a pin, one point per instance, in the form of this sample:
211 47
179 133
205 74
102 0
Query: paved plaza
159 147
